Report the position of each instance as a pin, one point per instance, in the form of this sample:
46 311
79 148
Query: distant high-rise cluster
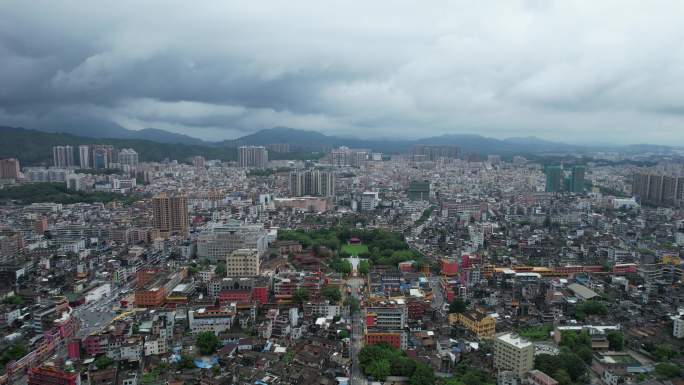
658 189
434 152
345 156
63 156
102 156
198 163
9 168
554 178
557 181
312 183
170 214
84 156
576 182
128 156
281 148
94 156
252 156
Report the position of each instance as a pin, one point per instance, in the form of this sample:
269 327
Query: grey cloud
558 70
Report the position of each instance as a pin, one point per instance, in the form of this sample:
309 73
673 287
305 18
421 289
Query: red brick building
45 375
395 339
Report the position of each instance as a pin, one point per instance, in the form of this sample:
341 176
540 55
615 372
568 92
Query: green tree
562 376
573 340
457 306
220 269
346 267
185 362
664 352
423 375
616 340
331 294
474 377
14 300
403 366
667 370
300 295
364 267
379 369
103 362
545 363
207 342
584 353
12 353
573 365
452 381
590 308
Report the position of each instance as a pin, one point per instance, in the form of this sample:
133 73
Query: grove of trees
384 247
382 360
207 342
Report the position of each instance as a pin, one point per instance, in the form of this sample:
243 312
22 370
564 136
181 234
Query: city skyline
341 193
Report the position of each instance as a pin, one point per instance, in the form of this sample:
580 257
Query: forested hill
33 147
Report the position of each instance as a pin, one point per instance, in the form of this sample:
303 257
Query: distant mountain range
314 141
468 143
110 130
155 144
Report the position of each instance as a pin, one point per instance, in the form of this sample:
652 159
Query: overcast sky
577 71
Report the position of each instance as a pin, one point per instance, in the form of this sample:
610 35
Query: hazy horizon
578 73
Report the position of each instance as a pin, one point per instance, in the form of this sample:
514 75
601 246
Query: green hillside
35 147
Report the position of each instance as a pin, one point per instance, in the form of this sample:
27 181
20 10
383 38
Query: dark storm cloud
560 70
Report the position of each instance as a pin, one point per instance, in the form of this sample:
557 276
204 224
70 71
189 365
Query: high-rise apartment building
198 163
435 152
102 156
576 184
252 156
243 263
312 183
344 156
63 156
84 156
128 156
279 147
9 168
554 178
658 189
513 353
170 214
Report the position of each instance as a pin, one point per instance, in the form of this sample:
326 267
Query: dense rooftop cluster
433 267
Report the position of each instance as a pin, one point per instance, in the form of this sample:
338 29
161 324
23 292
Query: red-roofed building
45 375
449 267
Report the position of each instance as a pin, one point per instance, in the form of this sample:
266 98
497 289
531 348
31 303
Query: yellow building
477 322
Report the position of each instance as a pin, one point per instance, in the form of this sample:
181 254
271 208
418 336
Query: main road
356 375
96 316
